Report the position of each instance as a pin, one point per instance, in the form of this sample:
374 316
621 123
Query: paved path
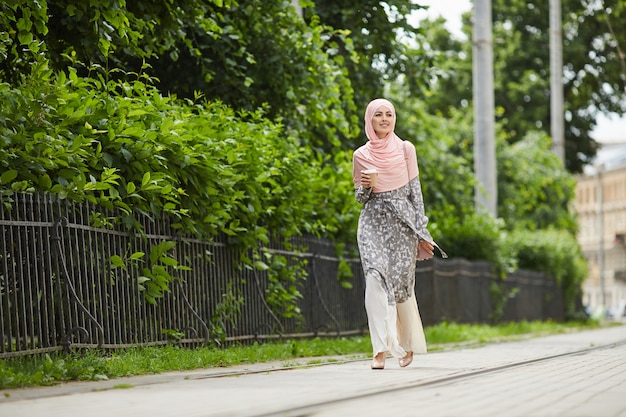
585 376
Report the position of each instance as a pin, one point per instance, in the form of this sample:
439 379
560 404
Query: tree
122 143
248 54
594 69
534 191
383 38
312 75
268 57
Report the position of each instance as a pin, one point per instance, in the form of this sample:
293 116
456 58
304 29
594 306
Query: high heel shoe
406 361
379 361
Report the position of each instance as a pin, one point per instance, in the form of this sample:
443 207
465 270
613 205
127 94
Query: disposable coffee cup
373 173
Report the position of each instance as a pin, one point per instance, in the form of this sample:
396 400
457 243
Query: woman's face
383 121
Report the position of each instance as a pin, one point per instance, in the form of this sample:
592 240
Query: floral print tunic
391 224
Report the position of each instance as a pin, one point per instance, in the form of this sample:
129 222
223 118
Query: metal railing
59 287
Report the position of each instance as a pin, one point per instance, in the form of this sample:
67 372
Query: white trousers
395 329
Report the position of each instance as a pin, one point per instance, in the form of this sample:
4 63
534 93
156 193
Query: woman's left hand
425 250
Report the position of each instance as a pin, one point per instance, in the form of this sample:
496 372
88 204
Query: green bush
534 189
556 253
124 145
477 237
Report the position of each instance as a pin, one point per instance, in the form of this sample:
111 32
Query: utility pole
556 81
484 124
296 5
600 226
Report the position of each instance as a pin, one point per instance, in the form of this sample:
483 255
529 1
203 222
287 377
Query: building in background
601 208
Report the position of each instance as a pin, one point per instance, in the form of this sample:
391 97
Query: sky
609 129
451 10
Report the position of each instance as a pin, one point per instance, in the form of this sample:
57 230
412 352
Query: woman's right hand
366 180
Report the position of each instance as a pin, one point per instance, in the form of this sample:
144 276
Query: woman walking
392 234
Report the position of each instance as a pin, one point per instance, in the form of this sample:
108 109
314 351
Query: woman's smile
383 121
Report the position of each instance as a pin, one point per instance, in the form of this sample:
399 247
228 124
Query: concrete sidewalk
460 382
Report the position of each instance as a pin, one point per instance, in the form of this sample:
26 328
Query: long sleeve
417 199
362 194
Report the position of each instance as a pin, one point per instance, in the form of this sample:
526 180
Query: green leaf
25 38
8 176
146 179
136 112
168 261
45 182
261 266
134 131
117 262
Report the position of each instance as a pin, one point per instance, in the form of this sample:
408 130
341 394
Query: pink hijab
394 158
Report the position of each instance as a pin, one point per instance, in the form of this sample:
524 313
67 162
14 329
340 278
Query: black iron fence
60 286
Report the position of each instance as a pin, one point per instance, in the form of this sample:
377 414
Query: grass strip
93 365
